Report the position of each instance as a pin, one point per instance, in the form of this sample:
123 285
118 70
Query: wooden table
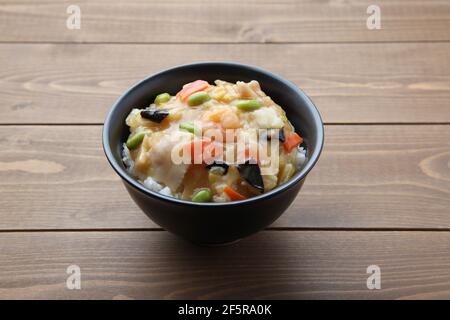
380 194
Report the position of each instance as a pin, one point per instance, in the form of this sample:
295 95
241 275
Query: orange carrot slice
190 88
292 141
233 195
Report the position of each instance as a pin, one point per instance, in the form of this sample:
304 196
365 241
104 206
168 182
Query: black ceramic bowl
214 223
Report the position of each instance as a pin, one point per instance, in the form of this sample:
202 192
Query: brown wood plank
350 83
225 21
270 265
56 177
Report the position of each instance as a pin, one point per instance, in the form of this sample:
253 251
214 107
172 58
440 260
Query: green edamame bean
203 195
198 98
188 126
161 98
248 105
135 140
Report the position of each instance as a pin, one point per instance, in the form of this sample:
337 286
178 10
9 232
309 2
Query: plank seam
224 43
278 229
55 124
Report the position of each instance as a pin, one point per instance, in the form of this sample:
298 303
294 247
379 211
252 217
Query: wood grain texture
350 83
224 21
272 264
380 193
56 177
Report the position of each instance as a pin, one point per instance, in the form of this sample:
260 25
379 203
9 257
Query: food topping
161 98
155 115
233 195
203 195
251 173
135 140
191 88
248 105
218 165
292 141
212 143
198 98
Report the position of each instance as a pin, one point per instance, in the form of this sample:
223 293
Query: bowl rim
310 162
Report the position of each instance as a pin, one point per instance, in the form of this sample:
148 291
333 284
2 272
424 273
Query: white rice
152 185
166 191
301 157
149 183
126 158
